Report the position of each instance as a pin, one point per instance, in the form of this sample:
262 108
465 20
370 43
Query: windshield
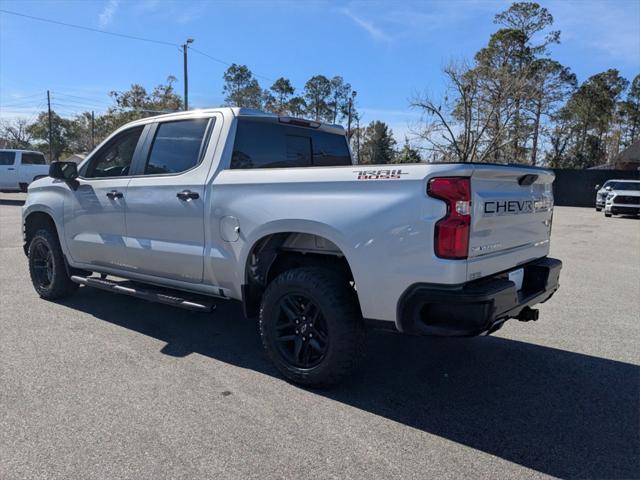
627 186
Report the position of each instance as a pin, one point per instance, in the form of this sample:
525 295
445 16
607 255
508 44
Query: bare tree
551 83
16 133
467 125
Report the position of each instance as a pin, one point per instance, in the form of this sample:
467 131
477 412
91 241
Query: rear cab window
264 144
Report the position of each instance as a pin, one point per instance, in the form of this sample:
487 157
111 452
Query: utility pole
185 46
358 138
351 98
93 129
50 127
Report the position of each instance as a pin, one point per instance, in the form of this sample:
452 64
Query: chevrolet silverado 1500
193 208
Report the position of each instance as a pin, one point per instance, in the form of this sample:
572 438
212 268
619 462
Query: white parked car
18 168
623 198
205 206
602 192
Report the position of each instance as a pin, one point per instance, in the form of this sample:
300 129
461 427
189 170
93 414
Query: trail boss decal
379 174
516 207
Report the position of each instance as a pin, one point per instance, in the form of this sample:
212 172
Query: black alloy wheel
42 263
311 326
302 336
47 266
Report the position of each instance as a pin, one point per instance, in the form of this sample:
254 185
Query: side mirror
608 189
597 187
66 171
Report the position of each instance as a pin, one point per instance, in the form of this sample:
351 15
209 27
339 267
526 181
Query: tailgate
512 208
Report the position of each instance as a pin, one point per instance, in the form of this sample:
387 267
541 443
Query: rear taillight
452 231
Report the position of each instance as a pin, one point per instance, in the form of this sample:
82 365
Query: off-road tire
60 285
338 305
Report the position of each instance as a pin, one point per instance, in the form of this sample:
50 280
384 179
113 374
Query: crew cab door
8 170
165 202
94 216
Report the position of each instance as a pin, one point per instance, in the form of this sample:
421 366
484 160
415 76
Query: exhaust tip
528 314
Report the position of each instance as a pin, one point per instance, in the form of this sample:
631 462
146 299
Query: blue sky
386 50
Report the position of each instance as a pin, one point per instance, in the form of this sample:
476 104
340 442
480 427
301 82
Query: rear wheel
47 267
598 209
311 326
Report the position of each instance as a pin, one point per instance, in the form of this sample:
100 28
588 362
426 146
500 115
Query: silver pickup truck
193 208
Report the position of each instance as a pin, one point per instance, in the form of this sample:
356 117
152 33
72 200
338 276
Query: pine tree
408 154
241 88
317 96
377 145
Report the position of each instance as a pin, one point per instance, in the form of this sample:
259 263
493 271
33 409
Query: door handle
114 194
187 195
10 168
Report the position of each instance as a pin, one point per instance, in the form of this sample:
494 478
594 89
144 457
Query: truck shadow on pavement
12 202
561 413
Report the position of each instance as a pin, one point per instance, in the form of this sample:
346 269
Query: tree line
511 103
322 99
82 132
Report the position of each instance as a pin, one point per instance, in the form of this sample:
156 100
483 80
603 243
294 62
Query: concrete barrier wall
576 188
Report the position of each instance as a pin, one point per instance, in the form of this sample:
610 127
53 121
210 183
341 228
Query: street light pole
185 46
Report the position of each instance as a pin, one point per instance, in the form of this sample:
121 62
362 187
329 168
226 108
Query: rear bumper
476 307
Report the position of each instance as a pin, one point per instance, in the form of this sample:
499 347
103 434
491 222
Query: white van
18 168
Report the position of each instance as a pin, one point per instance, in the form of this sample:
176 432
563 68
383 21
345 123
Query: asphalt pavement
111 387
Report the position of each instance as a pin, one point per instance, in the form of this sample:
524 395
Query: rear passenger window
33 159
330 150
260 144
177 146
7 158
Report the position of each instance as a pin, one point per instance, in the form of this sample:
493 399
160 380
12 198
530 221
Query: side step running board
198 303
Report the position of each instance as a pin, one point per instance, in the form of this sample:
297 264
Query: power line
66 101
82 98
227 63
90 29
24 97
124 35
20 104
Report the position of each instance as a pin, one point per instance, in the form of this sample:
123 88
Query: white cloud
375 32
108 12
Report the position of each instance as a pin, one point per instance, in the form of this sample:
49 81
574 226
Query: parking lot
103 386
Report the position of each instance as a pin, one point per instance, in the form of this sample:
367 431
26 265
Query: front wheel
606 214
47 267
311 326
